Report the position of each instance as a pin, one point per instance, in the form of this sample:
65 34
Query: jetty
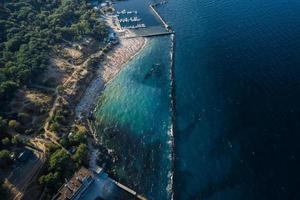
149 35
173 107
172 88
152 7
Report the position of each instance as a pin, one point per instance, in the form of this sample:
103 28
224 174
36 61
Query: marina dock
150 31
149 35
130 20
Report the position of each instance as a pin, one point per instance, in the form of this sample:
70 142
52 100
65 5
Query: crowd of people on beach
113 62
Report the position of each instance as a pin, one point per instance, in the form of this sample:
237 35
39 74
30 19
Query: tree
23 117
13 124
5 141
81 154
59 160
16 140
55 127
3 125
79 136
81 129
59 118
3 189
64 141
60 89
7 88
50 180
4 158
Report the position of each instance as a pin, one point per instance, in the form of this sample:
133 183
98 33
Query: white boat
135 19
124 20
132 12
121 12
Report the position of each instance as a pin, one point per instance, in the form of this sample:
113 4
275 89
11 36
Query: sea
236 131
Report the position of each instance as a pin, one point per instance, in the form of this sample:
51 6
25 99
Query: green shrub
5 141
23 118
4 158
13 124
55 127
77 138
50 180
81 154
64 141
16 140
3 125
59 161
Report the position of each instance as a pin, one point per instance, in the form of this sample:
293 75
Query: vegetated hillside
28 31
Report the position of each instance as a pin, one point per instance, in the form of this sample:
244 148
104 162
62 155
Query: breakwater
172 95
173 111
166 25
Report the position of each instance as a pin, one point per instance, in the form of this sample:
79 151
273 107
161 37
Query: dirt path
68 85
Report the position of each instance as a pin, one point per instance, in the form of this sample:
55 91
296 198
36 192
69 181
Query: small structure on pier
87 184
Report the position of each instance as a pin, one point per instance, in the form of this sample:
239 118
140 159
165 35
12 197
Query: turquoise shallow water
133 118
237 104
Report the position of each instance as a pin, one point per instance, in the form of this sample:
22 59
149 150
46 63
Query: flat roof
104 187
68 190
88 185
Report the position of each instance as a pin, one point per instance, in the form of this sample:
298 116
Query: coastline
113 62
108 69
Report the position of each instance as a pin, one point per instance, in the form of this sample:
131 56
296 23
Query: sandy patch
37 97
110 67
73 53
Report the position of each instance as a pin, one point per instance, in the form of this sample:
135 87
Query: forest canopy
28 31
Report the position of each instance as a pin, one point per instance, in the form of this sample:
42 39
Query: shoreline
108 69
104 75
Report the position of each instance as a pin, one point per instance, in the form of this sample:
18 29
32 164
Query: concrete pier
173 106
149 35
172 88
152 7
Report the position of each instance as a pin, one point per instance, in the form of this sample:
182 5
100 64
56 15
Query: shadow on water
152 76
135 157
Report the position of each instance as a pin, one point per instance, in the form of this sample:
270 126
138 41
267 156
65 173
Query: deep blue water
237 103
238 98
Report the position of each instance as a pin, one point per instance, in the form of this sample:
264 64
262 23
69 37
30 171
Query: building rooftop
90 185
77 184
